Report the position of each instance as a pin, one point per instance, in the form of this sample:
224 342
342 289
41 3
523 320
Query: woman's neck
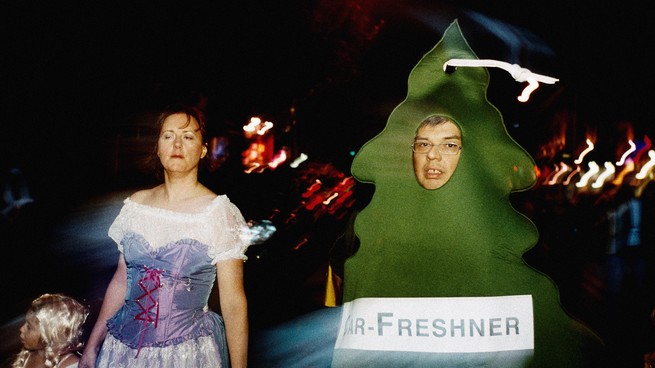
175 189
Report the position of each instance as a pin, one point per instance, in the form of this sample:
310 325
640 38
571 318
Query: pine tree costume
463 239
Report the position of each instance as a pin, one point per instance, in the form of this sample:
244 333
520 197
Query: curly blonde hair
61 320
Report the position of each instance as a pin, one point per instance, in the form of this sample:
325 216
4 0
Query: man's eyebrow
444 138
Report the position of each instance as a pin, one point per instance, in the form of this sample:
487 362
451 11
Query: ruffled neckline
163 211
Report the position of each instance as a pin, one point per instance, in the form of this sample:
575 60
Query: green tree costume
464 239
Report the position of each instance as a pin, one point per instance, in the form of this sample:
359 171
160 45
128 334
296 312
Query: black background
75 74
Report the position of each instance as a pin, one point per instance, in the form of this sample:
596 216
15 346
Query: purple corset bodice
167 293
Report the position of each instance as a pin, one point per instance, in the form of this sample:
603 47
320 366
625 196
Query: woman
52 333
175 239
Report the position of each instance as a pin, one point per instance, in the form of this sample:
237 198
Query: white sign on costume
438 325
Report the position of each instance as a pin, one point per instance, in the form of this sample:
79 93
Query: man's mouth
433 173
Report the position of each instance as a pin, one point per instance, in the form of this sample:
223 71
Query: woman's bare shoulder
143 196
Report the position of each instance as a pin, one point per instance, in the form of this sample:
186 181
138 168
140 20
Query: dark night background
74 74
80 79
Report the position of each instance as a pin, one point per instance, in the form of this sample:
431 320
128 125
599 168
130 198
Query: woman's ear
204 151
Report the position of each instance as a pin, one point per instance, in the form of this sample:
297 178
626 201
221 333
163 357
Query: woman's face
180 146
29 333
433 169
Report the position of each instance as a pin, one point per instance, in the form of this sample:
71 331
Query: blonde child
52 333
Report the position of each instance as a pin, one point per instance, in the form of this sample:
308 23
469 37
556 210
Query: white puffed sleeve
230 235
118 227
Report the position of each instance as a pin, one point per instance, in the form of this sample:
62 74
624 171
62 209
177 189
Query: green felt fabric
464 239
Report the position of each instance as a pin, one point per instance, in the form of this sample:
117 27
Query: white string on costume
519 74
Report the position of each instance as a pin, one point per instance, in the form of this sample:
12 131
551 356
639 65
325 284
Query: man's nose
433 153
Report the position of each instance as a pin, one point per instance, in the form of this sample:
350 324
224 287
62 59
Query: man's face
434 168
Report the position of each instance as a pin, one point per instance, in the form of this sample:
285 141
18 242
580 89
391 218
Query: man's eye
424 144
451 145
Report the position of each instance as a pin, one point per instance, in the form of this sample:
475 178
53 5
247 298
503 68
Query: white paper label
438 325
